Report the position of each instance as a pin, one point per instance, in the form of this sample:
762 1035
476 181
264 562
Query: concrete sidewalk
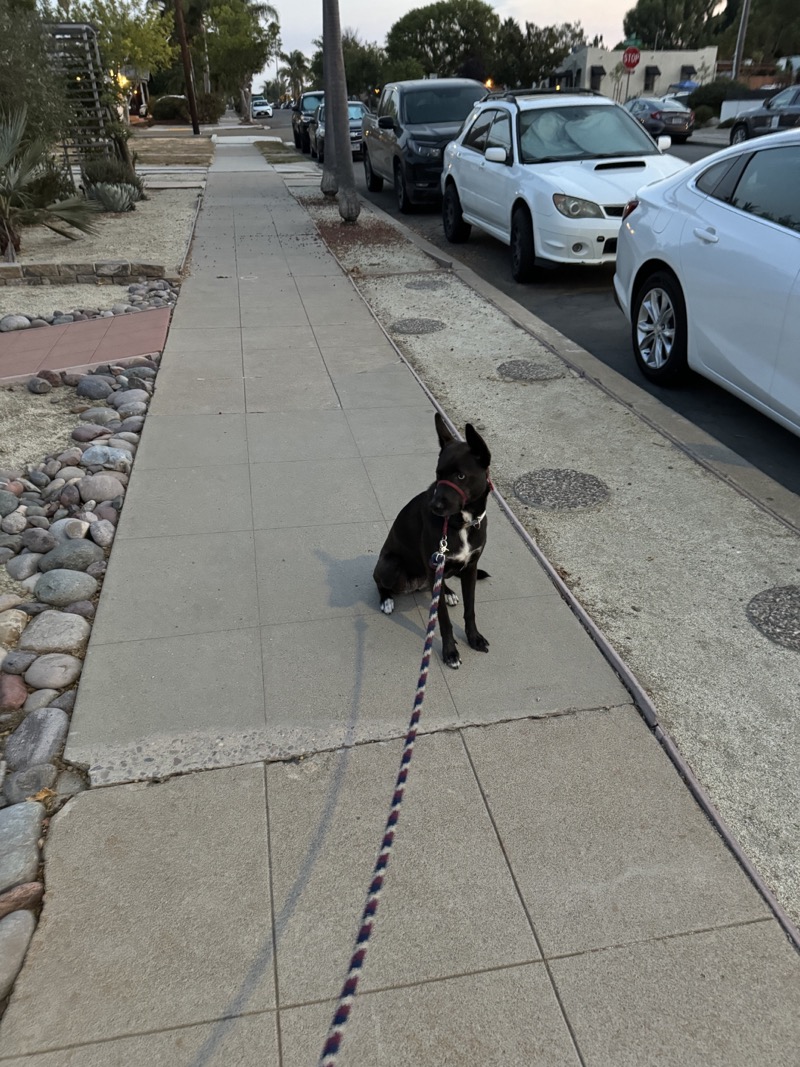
555 896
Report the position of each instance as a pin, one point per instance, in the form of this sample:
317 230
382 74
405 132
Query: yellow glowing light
489 83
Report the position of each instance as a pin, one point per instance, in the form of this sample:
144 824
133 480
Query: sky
301 20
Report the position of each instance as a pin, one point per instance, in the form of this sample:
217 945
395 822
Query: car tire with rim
374 183
305 145
404 205
455 229
523 251
738 134
658 329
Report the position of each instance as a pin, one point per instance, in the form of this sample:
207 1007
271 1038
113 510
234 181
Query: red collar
460 491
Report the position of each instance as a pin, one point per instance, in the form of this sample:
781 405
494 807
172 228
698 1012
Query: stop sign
630 58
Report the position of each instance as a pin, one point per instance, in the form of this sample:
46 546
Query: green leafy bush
702 114
111 172
713 93
210 107
170 107
52 182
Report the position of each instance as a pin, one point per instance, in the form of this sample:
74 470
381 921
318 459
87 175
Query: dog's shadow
351 586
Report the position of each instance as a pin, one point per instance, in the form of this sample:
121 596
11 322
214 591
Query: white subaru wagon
548 173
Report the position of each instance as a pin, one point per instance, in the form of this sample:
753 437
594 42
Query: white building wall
576 71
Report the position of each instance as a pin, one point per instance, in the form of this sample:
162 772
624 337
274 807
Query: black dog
459 493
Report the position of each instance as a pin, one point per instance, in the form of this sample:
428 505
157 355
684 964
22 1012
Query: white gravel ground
158 231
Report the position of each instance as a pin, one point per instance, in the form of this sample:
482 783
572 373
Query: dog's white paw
451 599
387 606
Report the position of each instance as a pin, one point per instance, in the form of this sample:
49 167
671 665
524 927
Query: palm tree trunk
337 122
330 179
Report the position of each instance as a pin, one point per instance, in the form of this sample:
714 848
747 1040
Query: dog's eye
461 477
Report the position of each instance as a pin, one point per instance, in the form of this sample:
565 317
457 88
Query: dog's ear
444 435
477 446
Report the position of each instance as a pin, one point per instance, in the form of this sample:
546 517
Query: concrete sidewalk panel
318 492
606 843
202 342
163 895
247 1041
449 905
201 396
503 1018
209 684
219 359
393 431
317 572
299 435
291 390
381 387
541 662
165 586
720 998
399 478
175 501
191 441
203 314
357 682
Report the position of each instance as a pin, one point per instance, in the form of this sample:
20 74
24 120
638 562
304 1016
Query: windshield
580 132
446 103
356 112
310 101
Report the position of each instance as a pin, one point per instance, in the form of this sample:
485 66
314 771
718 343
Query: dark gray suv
780 112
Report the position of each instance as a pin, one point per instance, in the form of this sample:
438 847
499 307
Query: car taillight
629 207
655 114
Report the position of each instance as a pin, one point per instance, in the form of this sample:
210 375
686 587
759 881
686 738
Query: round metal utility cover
560 490
525 370
417 326
776 614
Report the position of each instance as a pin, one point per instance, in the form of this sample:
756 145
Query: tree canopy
448 38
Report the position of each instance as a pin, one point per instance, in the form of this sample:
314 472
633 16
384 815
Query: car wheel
455 229
658 329
305 145
401 191
523 253
374 183
321 151
296 136
738 134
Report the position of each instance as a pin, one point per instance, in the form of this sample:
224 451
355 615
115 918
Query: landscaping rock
61 587
37 739
38 385
8 503
66 701
23 566
27 895
73 555
20 829
56 670
55 631
16 931
12 623
93 387
18 662
41 541
64 530
27 783
39 698
100 487
103 456
8 323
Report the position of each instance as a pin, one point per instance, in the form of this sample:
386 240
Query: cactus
117 197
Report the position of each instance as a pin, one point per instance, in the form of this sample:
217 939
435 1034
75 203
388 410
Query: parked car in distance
663 117
261 108
302 113
780 112
708 274
548 173
316 130
405 140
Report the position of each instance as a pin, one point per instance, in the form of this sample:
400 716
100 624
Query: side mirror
664 142
496 155
386 122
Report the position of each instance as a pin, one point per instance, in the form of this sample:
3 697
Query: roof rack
514 94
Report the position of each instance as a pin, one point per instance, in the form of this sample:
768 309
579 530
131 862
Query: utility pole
180 26
741 36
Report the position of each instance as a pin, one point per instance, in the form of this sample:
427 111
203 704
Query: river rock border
141 296
57 524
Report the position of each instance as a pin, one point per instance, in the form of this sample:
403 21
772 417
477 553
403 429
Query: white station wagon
549 174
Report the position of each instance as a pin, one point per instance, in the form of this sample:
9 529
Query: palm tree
22 203
295 71
336 109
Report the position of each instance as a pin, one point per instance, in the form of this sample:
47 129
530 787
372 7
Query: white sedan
708 274
261 109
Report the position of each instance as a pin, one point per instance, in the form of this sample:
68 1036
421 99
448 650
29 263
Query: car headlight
575 208
429 151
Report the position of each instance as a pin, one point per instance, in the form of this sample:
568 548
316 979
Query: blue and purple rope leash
333 1042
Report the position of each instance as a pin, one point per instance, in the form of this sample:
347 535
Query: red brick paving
79 345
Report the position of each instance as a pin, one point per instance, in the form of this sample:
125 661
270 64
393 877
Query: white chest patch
462 553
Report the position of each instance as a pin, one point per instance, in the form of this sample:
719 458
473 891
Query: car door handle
709 236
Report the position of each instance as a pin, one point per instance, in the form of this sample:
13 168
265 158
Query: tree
295 70
447 38
27 76
241 37
672 24
773 29
336 109
363 63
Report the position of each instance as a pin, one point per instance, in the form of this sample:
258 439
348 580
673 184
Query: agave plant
117 196
21 203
